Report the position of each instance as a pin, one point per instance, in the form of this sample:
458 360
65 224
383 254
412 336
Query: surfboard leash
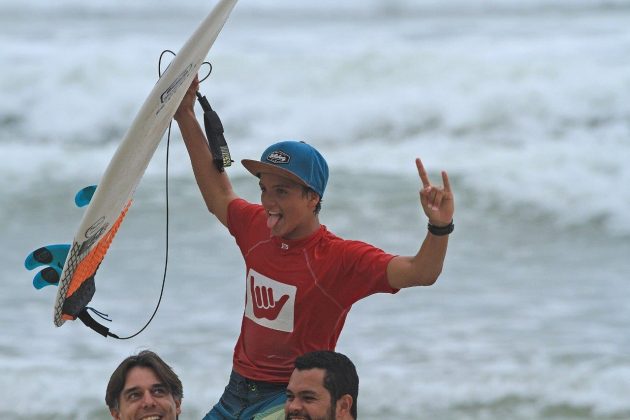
212 123
84 314
214 132
221 159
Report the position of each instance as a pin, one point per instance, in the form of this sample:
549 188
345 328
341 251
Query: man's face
307 398
145 397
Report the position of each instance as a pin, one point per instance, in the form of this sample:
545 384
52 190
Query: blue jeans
243 398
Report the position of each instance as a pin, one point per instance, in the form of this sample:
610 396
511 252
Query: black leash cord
84 315
168 147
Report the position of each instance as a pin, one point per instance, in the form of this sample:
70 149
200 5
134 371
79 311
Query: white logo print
269 302
278 157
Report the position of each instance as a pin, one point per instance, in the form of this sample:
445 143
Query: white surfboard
115 191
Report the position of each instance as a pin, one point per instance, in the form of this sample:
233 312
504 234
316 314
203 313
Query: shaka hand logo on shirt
270 303
265 306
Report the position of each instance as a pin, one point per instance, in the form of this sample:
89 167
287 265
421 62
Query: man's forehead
307 380
141 376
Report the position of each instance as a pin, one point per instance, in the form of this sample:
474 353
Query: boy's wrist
440 230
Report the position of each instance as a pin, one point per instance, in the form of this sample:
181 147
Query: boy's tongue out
272 220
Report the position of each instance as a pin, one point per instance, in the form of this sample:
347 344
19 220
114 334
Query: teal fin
49 276
84 196
52 256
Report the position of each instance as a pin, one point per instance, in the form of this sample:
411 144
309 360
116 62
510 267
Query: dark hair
145 359
306 190
340 378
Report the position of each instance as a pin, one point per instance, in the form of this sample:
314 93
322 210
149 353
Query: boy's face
145 397
290 211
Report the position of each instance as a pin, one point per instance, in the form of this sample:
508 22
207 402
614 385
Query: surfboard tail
76 287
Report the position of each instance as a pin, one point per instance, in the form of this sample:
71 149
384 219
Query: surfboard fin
49 276
84 196
54 256
51 256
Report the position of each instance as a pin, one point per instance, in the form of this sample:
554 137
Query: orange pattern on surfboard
88 265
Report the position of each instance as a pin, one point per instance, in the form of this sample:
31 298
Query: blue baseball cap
294 160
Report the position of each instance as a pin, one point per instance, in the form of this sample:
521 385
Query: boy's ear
313 198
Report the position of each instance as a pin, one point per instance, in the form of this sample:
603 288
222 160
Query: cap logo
278 157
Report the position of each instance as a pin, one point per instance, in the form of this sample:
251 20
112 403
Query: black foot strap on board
90 322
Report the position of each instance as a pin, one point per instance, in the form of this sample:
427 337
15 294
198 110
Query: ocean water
525 104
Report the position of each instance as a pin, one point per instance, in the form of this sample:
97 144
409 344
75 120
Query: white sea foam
511 105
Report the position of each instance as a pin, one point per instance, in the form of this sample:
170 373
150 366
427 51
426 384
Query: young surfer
301 279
